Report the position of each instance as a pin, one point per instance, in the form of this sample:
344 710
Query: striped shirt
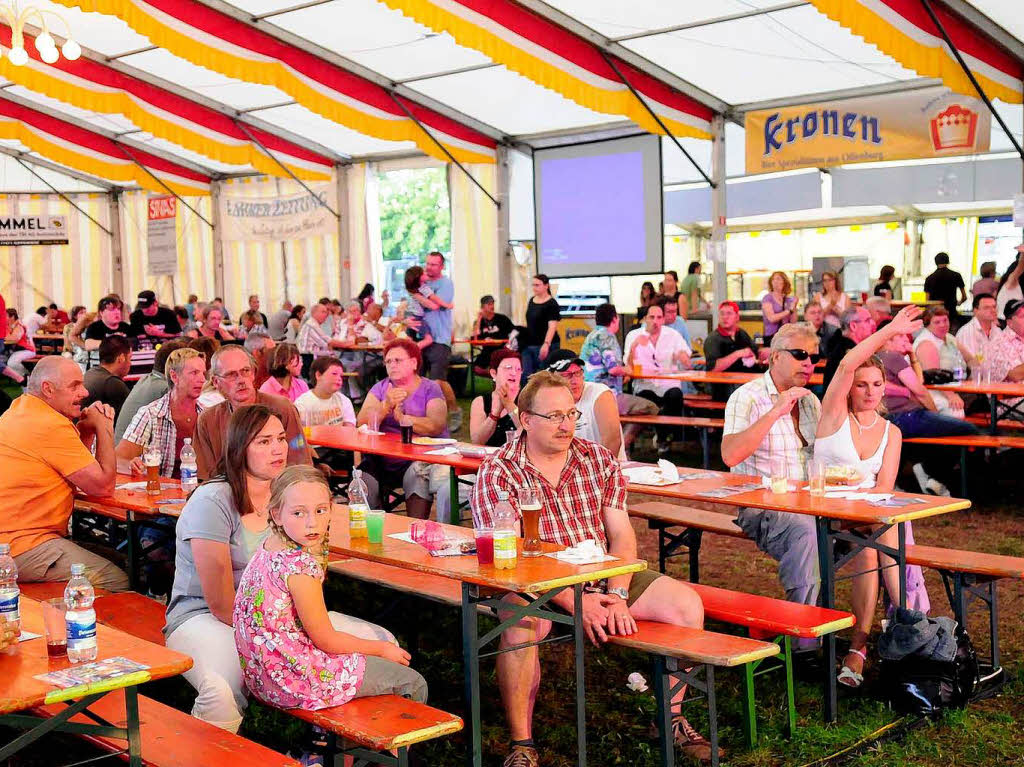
782 443
573 511
153 425
312 339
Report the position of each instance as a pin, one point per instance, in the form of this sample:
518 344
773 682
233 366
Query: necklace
860 428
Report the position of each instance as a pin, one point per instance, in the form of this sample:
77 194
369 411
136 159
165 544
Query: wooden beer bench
375 725
969 442
701 424
672 648
966 575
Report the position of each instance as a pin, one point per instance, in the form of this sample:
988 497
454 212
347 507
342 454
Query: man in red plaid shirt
584 497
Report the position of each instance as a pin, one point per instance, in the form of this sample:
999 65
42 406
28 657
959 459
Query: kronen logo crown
954 128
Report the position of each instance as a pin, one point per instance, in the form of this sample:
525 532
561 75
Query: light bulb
18 56
44 41
49 55
71 50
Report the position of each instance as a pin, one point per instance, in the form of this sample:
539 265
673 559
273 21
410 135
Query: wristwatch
622 594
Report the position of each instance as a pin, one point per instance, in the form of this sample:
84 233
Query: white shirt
586 424
32 324
315 411
656 358
974 339
1005 295
753 400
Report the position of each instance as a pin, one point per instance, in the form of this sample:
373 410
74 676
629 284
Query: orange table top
20 690
710 376
531 574
798 501
802 502
996 388
481 341
390 445
137 501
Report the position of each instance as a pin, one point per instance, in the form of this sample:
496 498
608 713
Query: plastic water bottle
358 506
188 467
505 537
81 618
10 594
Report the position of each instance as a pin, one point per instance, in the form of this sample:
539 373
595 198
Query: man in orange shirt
45 456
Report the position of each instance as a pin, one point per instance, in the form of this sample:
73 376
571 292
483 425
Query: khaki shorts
640 582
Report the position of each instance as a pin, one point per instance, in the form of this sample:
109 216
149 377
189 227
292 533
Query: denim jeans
532 361
926 423
937 460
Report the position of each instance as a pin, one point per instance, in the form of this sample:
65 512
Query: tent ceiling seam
711 21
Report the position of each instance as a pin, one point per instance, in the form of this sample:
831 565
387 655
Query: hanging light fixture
16 18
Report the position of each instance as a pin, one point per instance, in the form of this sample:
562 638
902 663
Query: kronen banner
931 122
279 219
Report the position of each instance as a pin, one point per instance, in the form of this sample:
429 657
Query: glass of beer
816 476
529 507
55 626
151 460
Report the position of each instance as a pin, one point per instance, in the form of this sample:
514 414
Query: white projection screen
599 208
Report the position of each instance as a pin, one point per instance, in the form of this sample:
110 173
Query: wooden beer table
537 579
996 392
836 519
136 509
712 377
21 690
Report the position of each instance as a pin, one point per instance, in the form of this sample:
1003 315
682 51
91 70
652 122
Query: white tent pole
718 214
116 254
218 240
344 221
503 294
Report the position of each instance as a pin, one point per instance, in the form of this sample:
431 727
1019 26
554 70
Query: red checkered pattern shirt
574 510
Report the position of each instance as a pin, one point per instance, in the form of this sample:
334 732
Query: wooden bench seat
383 722
970 575
378 724
971 442
702 424
979 419
663 516
701 402
172 738
664 642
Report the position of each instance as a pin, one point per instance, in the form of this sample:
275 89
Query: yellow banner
931 122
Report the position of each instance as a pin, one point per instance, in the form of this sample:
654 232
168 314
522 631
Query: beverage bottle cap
78 569
5 548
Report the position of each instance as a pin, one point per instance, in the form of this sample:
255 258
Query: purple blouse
771 328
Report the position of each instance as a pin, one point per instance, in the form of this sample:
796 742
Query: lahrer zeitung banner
932 122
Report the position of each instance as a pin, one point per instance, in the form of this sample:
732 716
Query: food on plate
842 475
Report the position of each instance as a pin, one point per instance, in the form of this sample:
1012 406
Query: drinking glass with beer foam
151 460
529 507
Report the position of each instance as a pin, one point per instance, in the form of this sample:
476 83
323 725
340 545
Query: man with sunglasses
234 369
856 325
773 420
583 494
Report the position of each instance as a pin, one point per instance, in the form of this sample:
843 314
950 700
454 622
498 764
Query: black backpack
926 687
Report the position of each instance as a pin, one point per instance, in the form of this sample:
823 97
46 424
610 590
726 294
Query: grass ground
987 734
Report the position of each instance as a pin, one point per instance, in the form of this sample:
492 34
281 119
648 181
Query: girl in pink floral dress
292 655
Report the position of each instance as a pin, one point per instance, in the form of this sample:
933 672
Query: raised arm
833 405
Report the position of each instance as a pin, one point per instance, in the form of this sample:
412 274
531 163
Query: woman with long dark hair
542 316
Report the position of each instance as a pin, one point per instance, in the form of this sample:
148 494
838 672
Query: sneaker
691 743
921 476
934 487
664 448
522 756
455 420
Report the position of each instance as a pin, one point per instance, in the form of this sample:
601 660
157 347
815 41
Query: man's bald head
58 382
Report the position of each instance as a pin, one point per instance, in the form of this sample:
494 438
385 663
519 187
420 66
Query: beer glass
529 507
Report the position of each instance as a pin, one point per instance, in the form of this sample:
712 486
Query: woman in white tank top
851 432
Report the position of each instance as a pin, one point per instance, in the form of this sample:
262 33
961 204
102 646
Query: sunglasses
801 355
